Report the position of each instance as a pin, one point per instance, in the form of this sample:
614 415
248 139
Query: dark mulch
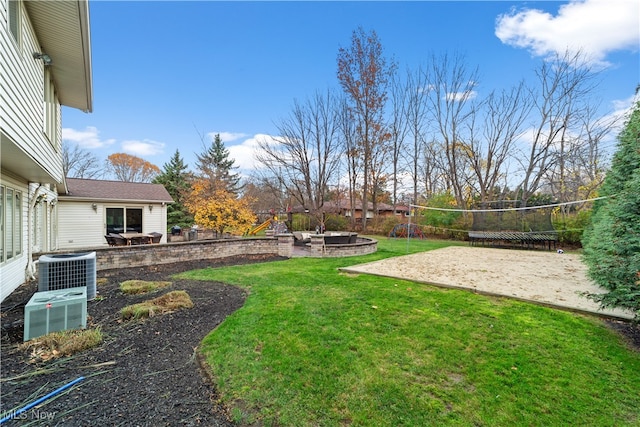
144 374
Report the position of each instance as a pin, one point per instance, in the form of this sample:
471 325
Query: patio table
131 237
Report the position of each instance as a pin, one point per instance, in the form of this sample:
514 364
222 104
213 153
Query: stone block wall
318 248
165 253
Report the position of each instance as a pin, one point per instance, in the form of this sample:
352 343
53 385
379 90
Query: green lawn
315 347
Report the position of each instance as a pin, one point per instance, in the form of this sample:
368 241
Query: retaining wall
362 246
165 253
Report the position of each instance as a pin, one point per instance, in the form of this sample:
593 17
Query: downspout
30 271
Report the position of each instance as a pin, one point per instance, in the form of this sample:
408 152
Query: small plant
135 287
166 303
63 343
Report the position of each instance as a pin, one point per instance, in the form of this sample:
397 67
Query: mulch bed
144 373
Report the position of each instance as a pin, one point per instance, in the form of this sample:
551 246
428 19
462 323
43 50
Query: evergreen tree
176 180
214 164
612 242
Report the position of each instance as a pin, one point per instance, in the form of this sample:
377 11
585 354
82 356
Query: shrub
440 219
612 241
336 223
388 224
570 228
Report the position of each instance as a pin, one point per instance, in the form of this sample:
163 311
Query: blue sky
166 73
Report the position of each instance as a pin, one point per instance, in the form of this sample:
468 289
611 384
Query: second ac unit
54 311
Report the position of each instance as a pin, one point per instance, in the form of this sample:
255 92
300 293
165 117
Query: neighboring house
45 62
92 208
343 208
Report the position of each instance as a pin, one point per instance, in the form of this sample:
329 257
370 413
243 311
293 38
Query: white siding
22 98
155 221
12 272
79 225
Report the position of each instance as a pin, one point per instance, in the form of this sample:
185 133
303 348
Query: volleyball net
489 221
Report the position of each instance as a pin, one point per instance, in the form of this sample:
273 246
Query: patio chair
155 237
110 240
117 239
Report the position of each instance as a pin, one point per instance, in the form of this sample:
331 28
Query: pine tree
214 164
176 180
612 242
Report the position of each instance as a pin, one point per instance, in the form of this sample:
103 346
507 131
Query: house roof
343 204
115 191
62 28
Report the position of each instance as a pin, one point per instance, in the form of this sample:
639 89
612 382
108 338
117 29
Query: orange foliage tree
130 168
218 209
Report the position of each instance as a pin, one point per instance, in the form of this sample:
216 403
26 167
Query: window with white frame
13 15
10 223
50 108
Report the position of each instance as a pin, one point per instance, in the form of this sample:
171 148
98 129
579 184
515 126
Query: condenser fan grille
66 271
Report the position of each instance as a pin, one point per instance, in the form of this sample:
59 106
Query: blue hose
39 401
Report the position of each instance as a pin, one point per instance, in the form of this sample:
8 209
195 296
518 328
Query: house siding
22 98
80 226
30 156
156 221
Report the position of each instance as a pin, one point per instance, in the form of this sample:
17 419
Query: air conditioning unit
66 271
53 311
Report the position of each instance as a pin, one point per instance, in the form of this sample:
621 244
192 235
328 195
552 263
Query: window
9 219
120 220
50 108
17 224
14 19
2 228
10 223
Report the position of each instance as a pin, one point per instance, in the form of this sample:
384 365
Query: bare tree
353 160
489 152
398 128
432 169
450 106
416 90
305 157
564 81
364 73
79 163
581 162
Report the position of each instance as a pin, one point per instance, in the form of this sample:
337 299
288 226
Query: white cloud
227 136
143 148
462 96
88 138
596 27
621 110
244 153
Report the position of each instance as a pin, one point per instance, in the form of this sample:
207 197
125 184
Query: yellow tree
218 209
